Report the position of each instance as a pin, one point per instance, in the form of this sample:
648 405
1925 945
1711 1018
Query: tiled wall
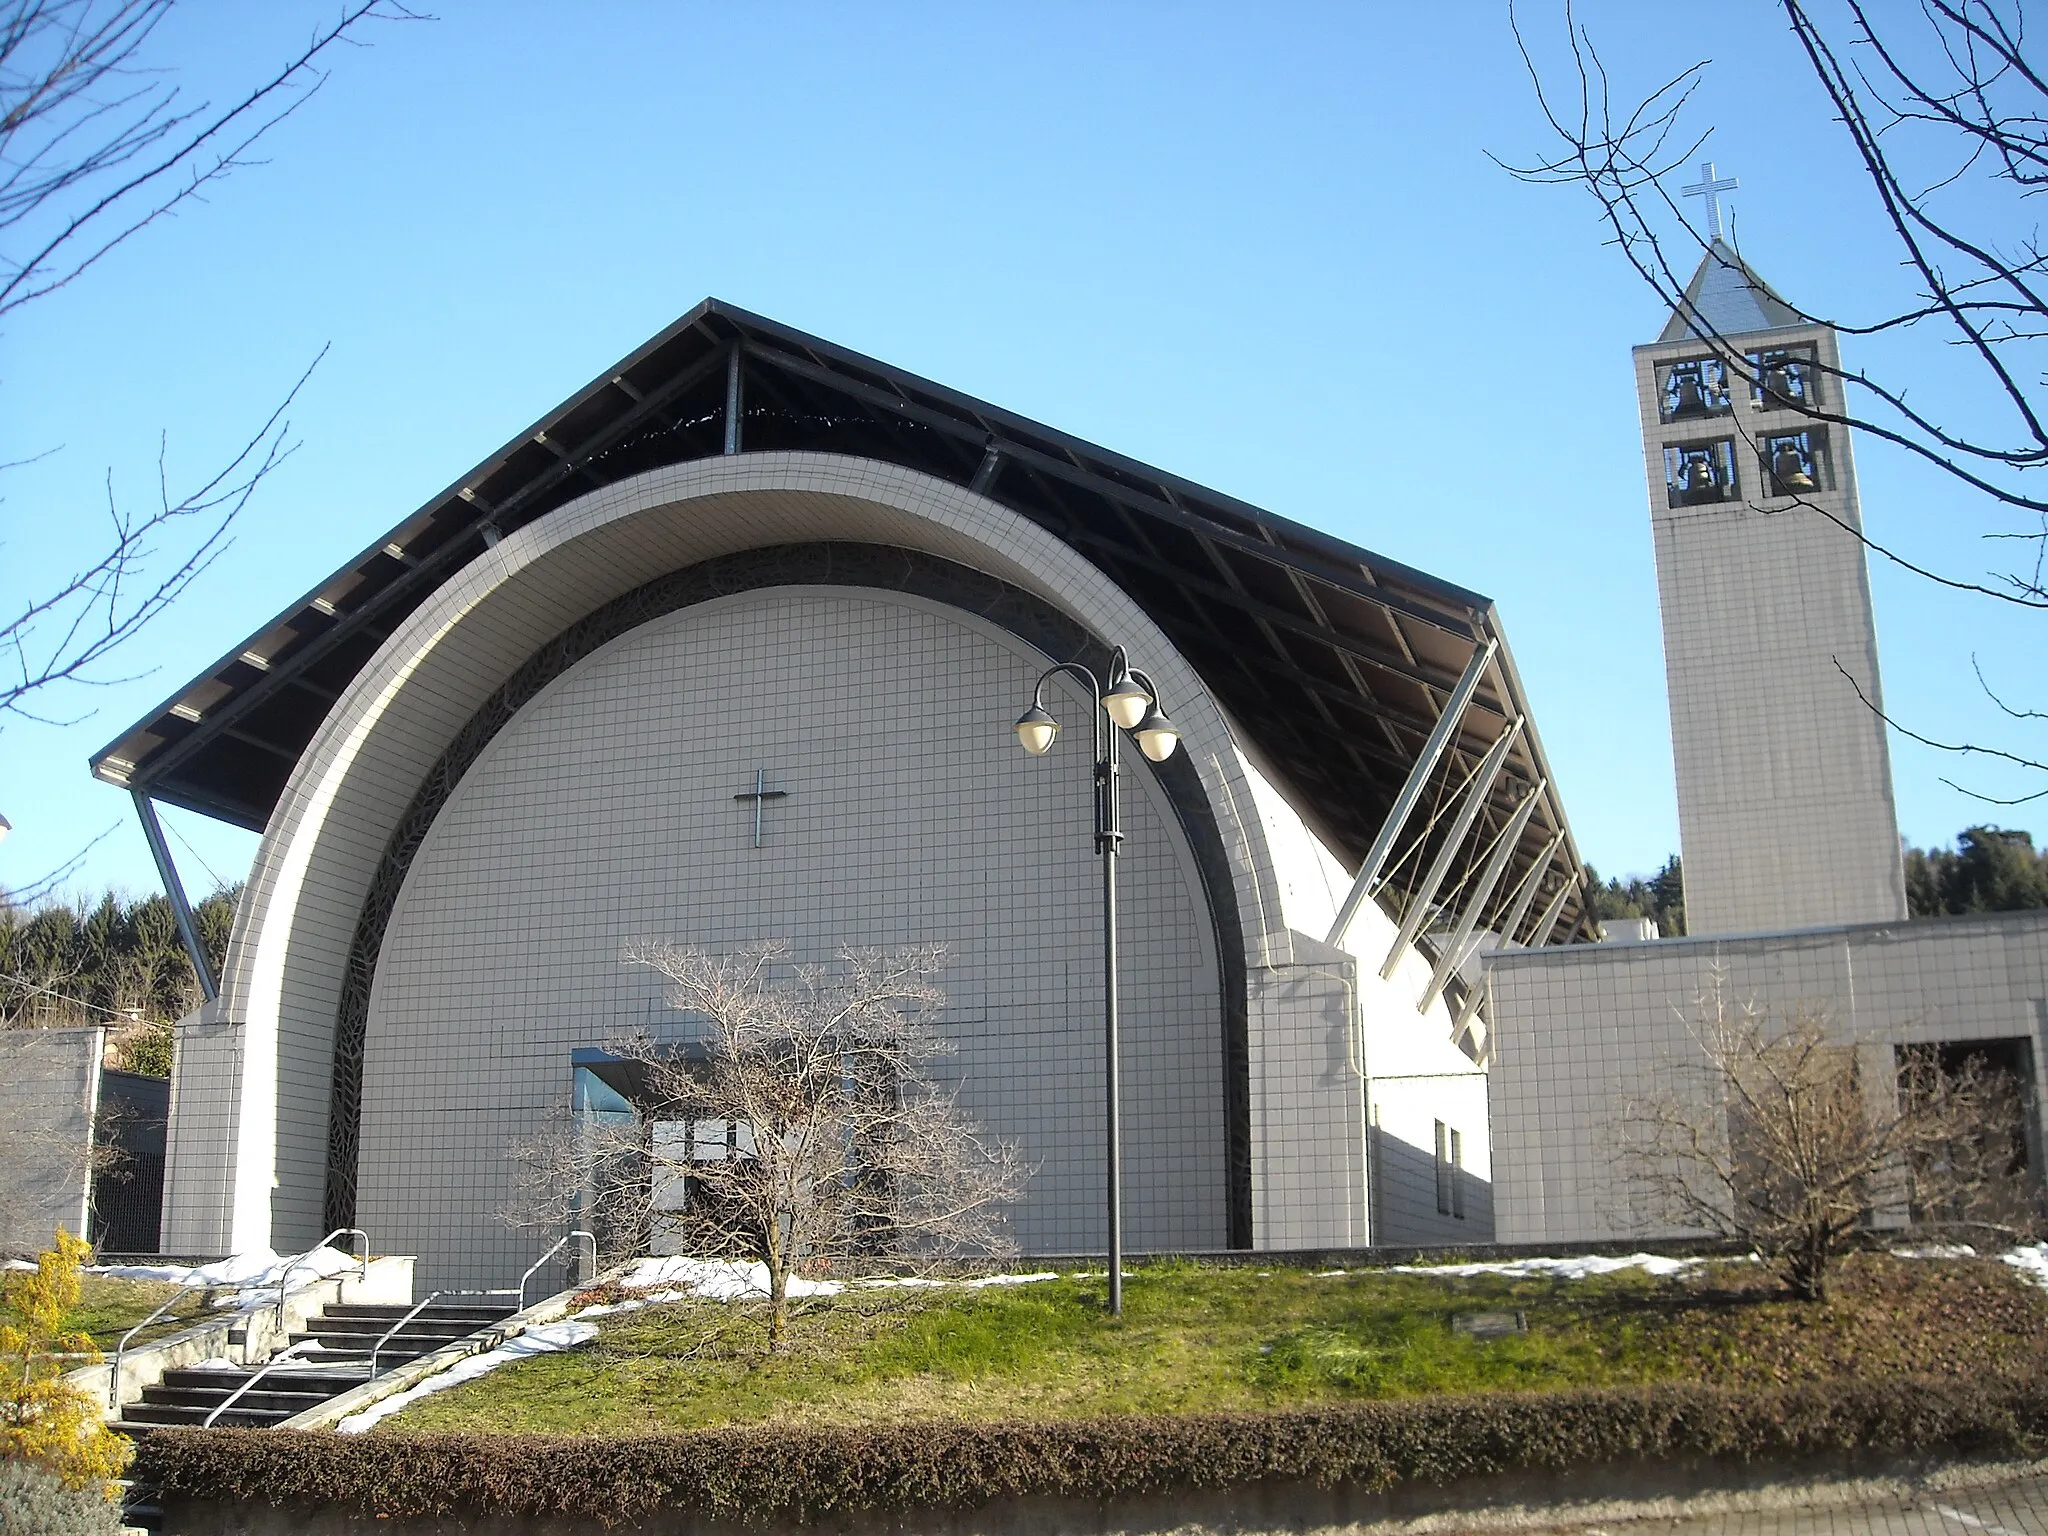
49 1085
307 889
1784 783
605 814
1579 1031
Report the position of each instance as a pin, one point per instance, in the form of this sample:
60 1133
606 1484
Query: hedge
758 1474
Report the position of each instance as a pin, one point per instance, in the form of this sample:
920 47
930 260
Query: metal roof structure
1333 662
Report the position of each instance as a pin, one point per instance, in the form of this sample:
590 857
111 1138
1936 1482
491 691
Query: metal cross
1711 190
759 793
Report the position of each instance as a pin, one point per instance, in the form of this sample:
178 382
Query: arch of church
604 813
253 1168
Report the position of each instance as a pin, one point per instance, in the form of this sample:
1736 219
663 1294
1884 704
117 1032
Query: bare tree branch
95 146
68 634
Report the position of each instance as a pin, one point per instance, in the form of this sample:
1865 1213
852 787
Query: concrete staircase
332 1356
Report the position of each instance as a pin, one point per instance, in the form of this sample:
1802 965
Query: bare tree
1947 117
1775 1138
798 1125
96 145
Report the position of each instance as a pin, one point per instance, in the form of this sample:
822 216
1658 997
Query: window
1444 1181
1784 379
1795 463
1695 387
1457 1175
1696 474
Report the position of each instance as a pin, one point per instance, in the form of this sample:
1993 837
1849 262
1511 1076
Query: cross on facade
1711 190
760 794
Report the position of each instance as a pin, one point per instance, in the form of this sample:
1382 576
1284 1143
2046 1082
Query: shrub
43 1418
761 1474
35 1502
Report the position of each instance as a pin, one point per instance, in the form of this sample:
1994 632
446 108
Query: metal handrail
121 1349
284 1280
291 1352
395 1328
432 1297
559 1246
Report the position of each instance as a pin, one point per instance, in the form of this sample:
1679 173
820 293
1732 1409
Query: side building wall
1580 1031
49 1095
1355 1092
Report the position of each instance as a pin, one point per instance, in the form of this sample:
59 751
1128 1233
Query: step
483 1312
324 1379
374 1327
237 1416
262 1397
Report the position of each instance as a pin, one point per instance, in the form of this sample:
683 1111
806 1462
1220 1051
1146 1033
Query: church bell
1789 470
1690 400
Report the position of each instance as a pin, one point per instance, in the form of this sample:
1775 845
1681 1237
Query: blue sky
1263 247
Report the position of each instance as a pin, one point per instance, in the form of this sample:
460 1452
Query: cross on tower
760 794
1711 190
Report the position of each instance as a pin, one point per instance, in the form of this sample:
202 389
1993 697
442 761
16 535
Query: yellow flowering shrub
43 1418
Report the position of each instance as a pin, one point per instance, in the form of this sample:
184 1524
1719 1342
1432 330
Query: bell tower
1785 804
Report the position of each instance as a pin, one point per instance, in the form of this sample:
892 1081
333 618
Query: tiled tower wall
1784 783
605 814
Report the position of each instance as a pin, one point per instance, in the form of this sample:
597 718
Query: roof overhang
1335 661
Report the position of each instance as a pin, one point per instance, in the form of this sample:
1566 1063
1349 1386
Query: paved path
2009 1509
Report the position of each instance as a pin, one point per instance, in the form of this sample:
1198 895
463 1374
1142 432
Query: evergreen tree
115 960
1990 869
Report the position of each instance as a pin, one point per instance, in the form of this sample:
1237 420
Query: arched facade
251 1156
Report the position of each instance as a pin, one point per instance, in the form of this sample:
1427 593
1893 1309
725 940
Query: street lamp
1129 701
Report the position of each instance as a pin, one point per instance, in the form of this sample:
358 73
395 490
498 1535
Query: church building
728 648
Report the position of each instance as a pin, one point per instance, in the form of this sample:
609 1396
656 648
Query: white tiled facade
1784 782
605 815
1580 1031
603 812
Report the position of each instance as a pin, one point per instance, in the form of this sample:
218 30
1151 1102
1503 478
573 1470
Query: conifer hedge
759 1474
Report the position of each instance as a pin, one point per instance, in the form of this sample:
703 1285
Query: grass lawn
108 1307
1196 1338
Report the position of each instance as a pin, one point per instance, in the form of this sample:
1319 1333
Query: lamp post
1128 701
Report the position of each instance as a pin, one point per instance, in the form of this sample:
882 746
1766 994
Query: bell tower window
1795 463
1696 474
1783 379
1697 386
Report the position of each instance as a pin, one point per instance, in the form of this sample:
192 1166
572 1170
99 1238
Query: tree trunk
778 1301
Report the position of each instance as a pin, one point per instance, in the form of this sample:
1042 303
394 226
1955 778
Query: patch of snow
18 1264
251 1278
2031 1261
545 1340
1937 1251
1581 1268
730 1280
718 1279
